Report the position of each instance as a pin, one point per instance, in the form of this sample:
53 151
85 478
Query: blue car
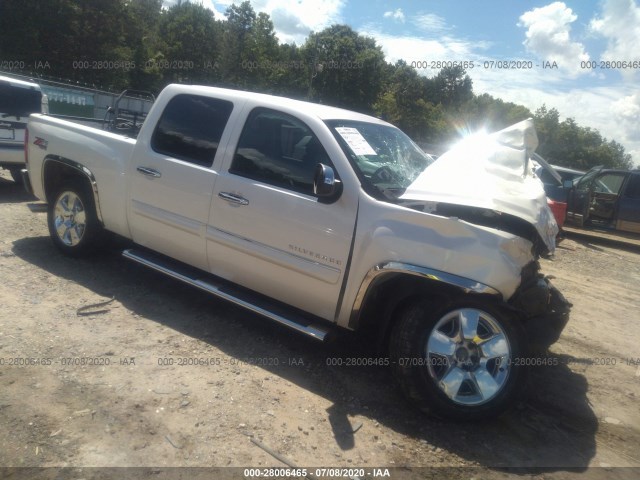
606 198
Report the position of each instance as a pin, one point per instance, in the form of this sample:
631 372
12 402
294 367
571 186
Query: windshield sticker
356 141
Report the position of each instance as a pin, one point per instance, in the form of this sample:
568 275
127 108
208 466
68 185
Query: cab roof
323 112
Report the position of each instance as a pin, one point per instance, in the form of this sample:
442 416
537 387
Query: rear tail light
26 146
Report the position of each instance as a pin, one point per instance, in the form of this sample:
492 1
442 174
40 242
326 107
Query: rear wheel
461 362
72 219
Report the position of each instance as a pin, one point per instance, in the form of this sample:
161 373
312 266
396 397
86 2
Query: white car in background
18 100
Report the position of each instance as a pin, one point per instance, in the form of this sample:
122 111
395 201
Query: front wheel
462 362
72 220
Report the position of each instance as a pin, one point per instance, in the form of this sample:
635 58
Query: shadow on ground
553 429
11 192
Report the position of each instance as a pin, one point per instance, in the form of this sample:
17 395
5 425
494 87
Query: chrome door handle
230 197
149 172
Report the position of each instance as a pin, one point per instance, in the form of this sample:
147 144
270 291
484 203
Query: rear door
173 175
267 230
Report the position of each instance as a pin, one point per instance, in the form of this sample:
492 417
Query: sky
564 54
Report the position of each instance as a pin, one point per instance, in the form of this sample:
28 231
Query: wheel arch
391 286
56 170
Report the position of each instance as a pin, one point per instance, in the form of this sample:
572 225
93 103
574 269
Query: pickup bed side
72 150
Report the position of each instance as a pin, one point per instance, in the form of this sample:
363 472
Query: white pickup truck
318 217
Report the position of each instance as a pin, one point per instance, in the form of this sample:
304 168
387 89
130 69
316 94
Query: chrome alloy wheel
70 220
468 356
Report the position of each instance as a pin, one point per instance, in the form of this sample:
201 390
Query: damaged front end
545 311
487 180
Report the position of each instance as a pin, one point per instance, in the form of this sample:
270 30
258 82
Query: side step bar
220 288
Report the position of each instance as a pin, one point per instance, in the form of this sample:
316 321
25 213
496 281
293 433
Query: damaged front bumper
544 308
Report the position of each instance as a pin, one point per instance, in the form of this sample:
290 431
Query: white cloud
430 23
620 25
218 15
418 48
601 108
614 109
548 36
627 109
395 15
294 21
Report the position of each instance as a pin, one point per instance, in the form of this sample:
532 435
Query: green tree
547 122
350 68
492 114
191 42
142 37
403 103
453 87
237 55
290 77
98 37
27 25
79 40
568 144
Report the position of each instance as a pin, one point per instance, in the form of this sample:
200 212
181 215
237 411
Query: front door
580 198
605 193
267 230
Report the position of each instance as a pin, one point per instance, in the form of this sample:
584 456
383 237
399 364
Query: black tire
422 375
72 219
16 175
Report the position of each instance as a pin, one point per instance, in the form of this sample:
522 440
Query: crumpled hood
490 171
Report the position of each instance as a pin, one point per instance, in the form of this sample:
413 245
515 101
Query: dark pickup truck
606 198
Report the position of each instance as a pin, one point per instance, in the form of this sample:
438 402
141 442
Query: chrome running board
227 291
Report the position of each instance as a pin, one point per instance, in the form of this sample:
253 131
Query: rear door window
190 128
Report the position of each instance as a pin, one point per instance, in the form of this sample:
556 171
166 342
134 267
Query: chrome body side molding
376 273
80 168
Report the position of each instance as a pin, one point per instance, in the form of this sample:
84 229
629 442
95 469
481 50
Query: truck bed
105 154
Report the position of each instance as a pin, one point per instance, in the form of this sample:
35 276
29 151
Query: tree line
137 44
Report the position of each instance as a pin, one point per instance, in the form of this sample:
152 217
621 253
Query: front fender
377 273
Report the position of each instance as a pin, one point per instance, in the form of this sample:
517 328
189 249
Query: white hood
490 171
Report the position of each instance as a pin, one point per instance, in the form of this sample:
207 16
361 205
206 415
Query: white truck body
321 257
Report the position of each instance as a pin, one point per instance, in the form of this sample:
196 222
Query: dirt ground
167 376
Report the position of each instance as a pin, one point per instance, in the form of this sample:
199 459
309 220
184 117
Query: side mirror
325 184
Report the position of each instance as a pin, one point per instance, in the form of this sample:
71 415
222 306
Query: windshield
386 160
18 101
